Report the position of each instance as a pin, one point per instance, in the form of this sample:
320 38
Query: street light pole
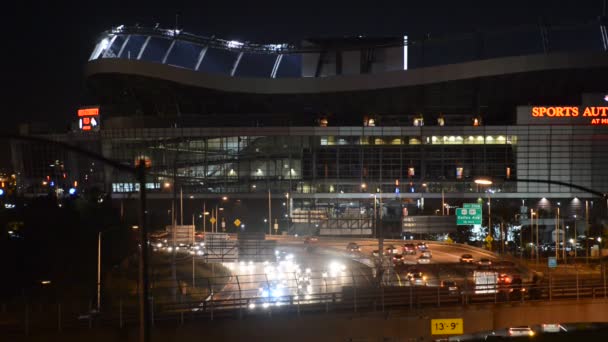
99 272
587 230
575 239
144 304
531 232
557 233
269 213
537 246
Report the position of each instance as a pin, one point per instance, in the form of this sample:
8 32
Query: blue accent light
72 191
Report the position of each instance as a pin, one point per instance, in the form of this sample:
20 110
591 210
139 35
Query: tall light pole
487 181
269 214
531 231
557 232
575 239
587 230
98 271
537 246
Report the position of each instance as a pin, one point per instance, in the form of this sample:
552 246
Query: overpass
391 325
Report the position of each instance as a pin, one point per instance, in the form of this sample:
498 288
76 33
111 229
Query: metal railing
242 298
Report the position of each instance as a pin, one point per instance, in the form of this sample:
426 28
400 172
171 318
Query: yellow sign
237 222
212 220
447 326
489 238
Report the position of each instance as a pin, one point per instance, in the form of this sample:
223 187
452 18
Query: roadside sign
237 222
212 220
447 326
469 214
552 262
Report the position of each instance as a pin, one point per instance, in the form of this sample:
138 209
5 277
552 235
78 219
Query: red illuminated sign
88 119
598 115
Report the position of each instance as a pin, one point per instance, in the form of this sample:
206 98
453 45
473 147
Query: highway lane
298 274
305 268
444 265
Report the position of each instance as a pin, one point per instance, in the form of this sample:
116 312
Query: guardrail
238 302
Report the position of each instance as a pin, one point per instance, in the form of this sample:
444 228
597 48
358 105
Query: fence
297 293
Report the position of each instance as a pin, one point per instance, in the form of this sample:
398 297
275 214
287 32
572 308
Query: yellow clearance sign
447 326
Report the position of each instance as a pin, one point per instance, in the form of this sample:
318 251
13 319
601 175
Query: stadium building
336 133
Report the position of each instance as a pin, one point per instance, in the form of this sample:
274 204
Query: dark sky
49 43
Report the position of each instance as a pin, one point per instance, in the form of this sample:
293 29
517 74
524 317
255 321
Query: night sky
49 43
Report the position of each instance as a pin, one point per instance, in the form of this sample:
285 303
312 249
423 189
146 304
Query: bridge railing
356 295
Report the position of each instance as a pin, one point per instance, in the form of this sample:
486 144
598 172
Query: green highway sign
470 214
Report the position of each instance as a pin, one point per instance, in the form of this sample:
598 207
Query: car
391 249
450 285
421 246
520 331
484 262
427 254
466 259
424 260
398 259
311 239
552 328
409 248
353 247
417 279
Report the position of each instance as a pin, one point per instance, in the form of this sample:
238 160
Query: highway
307 269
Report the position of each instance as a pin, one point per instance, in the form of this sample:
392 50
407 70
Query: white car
424 260
521 331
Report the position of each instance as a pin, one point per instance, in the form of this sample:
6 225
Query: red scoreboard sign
88 119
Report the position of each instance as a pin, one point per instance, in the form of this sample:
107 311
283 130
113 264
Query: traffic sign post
447 326
469 214
237 222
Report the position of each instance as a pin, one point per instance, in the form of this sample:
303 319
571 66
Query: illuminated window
477 121
440 121
419 121
508 172
411 172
